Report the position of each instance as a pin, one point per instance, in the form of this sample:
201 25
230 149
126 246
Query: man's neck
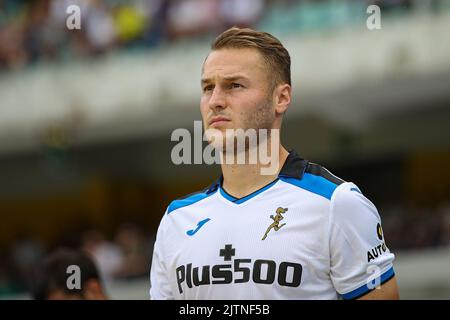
240 180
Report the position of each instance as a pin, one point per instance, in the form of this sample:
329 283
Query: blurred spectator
106 254
155 12
445 224
136 252
51 277
416 227
25 253
8 285
100 30
12 50
240 13
392 4
129 23
191 17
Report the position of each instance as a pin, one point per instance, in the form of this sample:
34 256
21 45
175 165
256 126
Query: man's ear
282 97
93 290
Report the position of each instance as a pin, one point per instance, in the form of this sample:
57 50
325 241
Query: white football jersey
306 235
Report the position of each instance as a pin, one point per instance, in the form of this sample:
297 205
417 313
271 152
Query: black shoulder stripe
212 188
318 170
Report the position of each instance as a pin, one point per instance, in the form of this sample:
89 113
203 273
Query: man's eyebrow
227 78
235 77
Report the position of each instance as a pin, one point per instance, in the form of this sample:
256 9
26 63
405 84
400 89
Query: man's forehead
232 62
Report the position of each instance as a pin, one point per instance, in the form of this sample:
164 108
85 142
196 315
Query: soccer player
296 233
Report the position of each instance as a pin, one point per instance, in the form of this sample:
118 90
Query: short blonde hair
273 52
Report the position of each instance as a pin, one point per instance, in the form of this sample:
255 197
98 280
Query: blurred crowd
36 30
124 256
416 227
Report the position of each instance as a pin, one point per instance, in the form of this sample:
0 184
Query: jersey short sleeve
159 282
359 257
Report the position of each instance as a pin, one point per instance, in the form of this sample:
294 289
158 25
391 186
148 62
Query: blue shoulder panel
176 204
315 184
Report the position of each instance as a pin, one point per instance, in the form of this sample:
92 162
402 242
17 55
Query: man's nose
217 99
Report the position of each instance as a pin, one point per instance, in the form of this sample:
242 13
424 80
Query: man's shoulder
193 197
322 172
317 179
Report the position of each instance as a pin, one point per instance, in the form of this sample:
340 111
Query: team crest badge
276 221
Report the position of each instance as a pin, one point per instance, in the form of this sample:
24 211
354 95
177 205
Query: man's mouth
218 121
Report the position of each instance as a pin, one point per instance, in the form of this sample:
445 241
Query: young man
296 233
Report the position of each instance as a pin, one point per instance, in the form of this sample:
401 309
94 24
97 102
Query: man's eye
236 85
208 88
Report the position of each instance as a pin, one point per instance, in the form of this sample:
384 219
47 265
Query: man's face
235 91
